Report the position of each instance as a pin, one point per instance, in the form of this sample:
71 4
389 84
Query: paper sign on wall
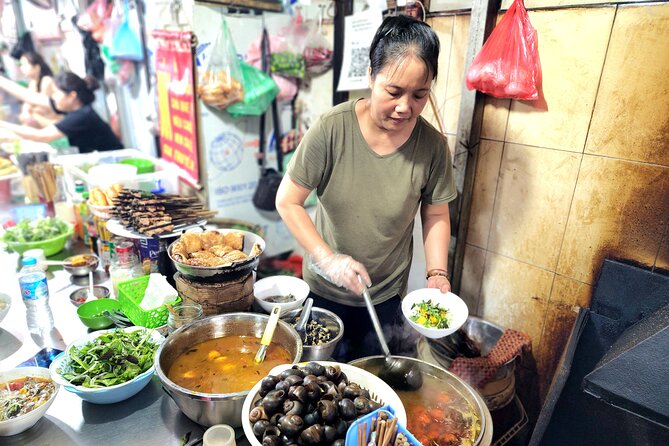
176 102
359 30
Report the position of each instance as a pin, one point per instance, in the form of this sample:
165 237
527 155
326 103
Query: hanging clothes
95 66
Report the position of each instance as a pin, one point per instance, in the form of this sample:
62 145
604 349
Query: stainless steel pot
450 382
222 273
329 320
208 409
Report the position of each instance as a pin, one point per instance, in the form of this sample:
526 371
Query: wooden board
265 5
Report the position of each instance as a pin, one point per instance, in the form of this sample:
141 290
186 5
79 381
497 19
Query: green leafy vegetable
429 315
110 359
35 230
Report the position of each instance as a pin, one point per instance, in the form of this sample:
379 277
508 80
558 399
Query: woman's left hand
440 282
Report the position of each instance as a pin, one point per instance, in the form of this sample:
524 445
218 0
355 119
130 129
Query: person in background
40 77
374 163
73 97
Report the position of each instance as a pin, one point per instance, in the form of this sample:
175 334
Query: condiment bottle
125 264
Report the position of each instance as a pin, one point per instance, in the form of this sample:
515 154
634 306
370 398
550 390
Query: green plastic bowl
50 246
90 313
142 164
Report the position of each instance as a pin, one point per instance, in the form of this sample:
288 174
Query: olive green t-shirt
367 202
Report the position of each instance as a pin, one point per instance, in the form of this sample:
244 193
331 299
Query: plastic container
165 174
352 433
219 435
130 295
77 200
143 165
35 293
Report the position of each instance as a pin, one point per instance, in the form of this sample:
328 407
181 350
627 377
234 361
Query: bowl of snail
313 404
207 367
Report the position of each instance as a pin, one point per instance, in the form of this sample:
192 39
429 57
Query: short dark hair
44 69
399 36
68 82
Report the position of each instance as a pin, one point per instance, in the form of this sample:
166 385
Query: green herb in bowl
429 315
112 358
35 230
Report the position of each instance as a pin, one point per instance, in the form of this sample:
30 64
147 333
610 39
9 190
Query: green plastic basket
130 295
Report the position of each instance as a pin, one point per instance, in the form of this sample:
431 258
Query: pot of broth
207 367
444 411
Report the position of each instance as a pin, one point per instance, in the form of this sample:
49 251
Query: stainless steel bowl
222 273
448 383
82 270
208 409
326 318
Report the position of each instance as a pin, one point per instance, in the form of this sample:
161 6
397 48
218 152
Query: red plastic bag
508 64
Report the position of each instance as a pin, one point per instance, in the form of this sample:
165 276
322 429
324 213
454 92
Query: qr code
359 62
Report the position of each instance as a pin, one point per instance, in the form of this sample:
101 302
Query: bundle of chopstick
383 432
154 214
44 176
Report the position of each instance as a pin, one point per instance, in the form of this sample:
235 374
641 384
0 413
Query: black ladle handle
374 317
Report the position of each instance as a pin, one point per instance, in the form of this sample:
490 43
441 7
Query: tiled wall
566 181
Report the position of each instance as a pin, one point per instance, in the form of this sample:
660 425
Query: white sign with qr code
359 30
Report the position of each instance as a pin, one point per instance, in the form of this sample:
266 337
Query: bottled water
35 293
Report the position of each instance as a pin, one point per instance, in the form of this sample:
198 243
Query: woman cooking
72 96
374 162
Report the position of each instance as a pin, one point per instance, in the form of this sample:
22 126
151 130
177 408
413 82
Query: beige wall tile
662 260
532 203
483 196
559 323
620 210
515 294
450 103
472 272
631 118
572 46
443 26
570 292
495 115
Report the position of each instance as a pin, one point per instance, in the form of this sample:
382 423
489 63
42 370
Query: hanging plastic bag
508 64
287 49
219 84
259 92
287 86
318 49
94 18
125 43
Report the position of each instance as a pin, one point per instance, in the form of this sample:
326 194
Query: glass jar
125 264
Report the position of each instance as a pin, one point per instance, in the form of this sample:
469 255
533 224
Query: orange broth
225 365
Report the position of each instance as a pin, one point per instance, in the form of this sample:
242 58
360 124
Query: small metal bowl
89 264
80 295
327 318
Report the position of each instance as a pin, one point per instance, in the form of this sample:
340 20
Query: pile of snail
308 406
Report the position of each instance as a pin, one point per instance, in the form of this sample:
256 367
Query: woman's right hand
340 269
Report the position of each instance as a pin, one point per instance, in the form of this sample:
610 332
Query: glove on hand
339 269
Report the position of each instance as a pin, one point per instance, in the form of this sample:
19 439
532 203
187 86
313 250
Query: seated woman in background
34 67
72 96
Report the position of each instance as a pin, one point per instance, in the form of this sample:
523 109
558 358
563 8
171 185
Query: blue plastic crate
352 433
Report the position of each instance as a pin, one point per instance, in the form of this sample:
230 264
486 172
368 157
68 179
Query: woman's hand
440 282
340 269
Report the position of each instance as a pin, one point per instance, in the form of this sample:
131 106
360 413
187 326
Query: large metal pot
448 383
208 409
223 273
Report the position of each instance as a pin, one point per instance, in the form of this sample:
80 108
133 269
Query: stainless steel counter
148 418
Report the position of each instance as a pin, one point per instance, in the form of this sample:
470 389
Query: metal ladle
304 318
400 374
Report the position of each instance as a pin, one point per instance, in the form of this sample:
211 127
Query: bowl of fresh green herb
48 234
434 314
108 366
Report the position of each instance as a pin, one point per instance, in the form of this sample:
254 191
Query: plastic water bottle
35 293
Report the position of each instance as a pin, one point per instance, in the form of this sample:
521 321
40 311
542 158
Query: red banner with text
176 101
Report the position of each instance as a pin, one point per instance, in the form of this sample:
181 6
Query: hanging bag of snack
508 64
259 92
219 85
318 49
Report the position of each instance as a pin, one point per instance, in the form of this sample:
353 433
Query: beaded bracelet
436 272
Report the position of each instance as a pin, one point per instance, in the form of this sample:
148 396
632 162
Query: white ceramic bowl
456 307
24 422
5 304
280 285
105 395
381 393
